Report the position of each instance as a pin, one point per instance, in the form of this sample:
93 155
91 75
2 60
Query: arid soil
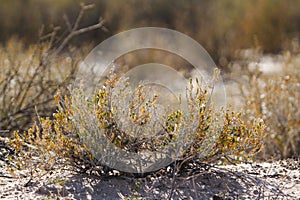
274 180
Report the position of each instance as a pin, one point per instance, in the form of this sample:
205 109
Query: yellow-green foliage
57 143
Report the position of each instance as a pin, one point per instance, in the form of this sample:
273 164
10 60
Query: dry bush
28 82
31 76
275 98
58 143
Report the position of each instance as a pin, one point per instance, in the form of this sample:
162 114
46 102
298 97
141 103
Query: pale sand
276 180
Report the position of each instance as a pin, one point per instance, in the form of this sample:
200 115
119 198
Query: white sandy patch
275 180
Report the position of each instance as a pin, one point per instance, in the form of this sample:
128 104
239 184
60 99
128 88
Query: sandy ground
276 180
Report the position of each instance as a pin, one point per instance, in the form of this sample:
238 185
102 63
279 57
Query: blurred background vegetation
220 26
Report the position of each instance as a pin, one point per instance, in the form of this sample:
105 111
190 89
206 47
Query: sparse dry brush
276 98
28 81
31 76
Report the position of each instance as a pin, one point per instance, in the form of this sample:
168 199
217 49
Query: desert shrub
32 75
59 142
275 98
28 82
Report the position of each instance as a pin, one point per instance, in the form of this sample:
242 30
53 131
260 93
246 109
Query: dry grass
32 75
28 82
275 97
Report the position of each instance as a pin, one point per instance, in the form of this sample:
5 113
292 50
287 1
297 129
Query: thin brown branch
67 22
78 32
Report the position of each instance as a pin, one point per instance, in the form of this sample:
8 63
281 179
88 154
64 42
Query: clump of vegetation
32 75
28 81
276 98
59 142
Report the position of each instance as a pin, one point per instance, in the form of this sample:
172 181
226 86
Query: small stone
43 191
215 197
256 192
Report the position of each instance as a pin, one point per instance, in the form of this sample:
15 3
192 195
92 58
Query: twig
173 180
194 187
229 160
29 182
78 32
75 31
4 131
67 22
